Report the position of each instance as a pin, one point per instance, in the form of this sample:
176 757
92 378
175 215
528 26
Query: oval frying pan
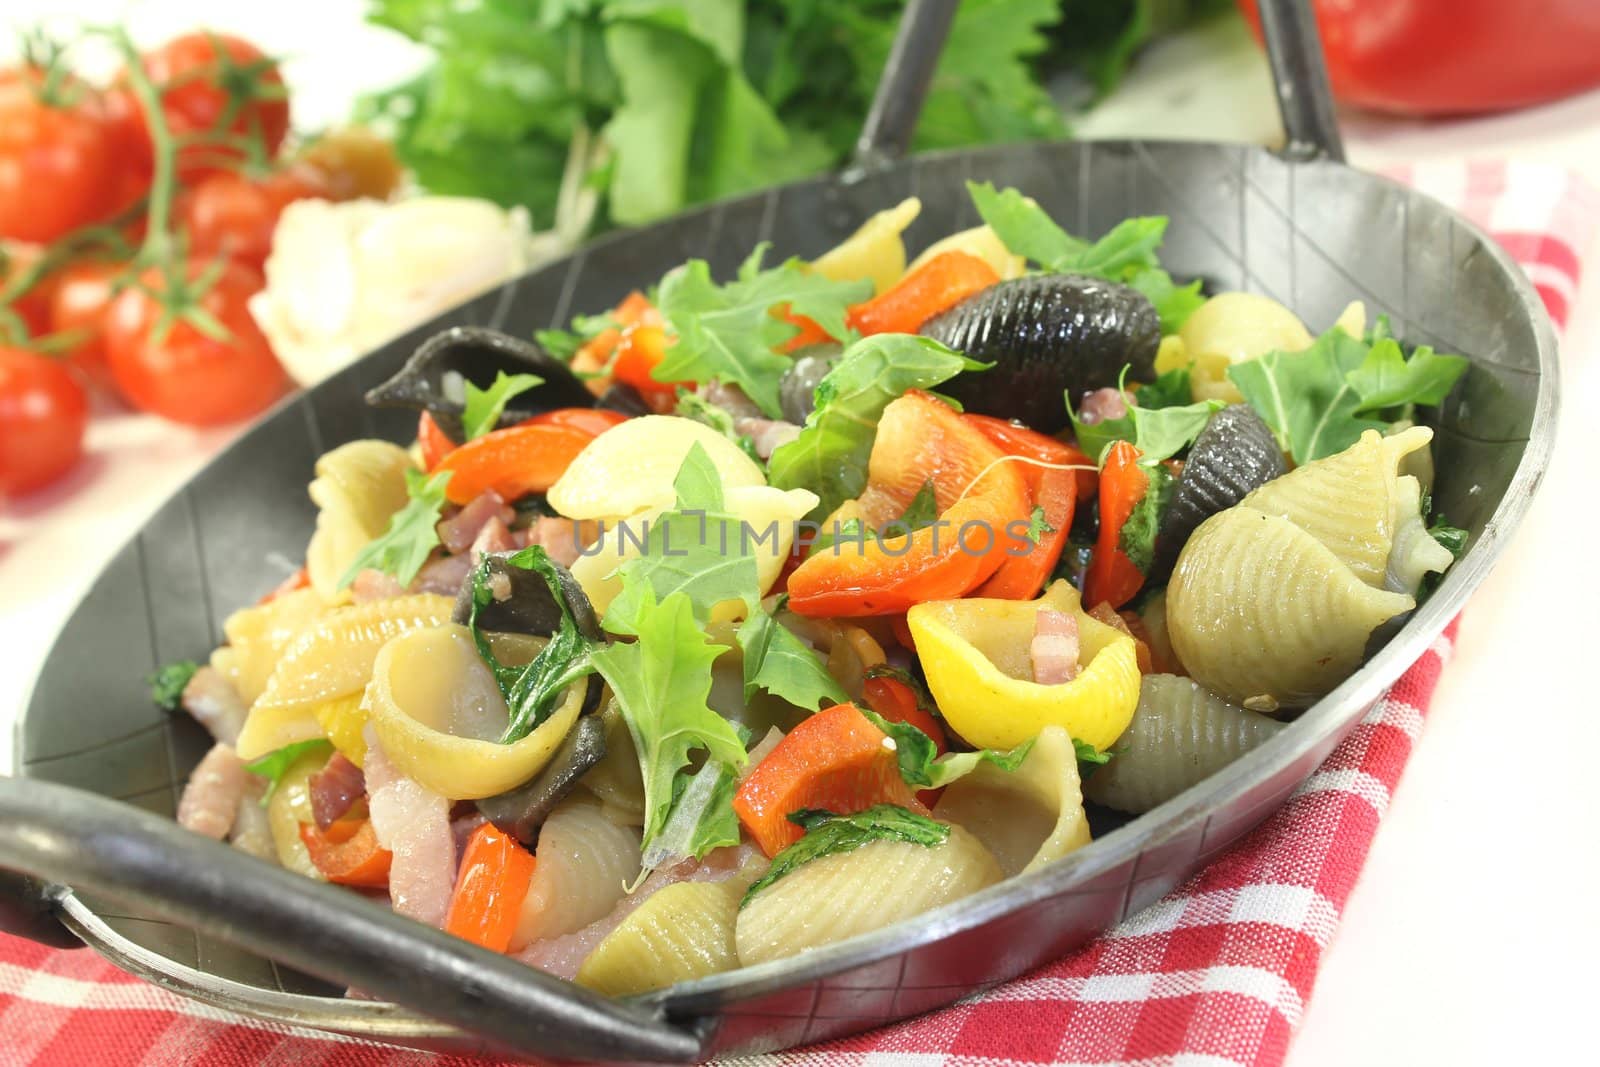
215 924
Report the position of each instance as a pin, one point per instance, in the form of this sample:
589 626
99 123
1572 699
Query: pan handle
73 838
1300 75
903 86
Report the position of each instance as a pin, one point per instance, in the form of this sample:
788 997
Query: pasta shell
849 893
330 659
357 488
1180 735
288 809
875 251
1026 817
1231 328
259 635
1414 552
1262 613
682 932
982 242
1347 501
616 780
584 862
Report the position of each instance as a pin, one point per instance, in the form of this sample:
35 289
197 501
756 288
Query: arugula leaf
1453 538
728 332
828 834
482 409
1174 303
275 764
1087 753
921 765
702 817
1160 430
1387 379
1169 390
1138 537
830 455
661 682
564 344
168 682
775 659
1037 526
403 548
1306 397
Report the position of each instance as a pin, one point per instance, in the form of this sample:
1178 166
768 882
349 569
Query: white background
1472 935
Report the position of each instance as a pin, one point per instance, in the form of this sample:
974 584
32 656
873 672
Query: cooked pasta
1029 816
681 932
842 895
585 864
982 242
875 251
1414 553
1263 614
358 486
1180 736
616 780
1231 328
258 637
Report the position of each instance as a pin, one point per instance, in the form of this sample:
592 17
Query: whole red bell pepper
1437 57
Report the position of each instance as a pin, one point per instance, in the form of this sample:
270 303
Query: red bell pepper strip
897 702
592 421
434 442
495 873
513 462
1112 576
936 286
348 853
1054 493
810 333
920 439
836 760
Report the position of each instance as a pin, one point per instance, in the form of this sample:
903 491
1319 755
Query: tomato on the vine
132 152
216 89
181 373
231 215
79 297
43 412
56 159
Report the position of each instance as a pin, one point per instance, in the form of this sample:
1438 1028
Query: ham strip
1054 650
252 831
413 823
561 538
210 800
766 435
1102 404
334 789
459 531
215 704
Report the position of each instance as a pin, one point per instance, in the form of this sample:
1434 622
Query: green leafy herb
776 660
1158 423
696 407
727 332
702 816
1037 526
481 412
661 682
168 682
1138 537
1173 302
922 766
1087 753
1453 538
403 548
1387 379
275 764
1169 390
828 834
564 344
830 455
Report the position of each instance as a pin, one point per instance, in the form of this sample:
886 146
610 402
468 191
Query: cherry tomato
187 376
78 302
199 76
355 163
56 160
32 306
131 149
230 215
43 412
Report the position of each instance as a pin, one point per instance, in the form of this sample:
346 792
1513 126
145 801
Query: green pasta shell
1265 615
681 932
1415 552
1180 735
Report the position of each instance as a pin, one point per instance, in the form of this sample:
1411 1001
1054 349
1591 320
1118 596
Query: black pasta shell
1234 454
520 812
1049 336
478 354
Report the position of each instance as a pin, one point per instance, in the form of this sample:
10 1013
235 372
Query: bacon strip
1054 650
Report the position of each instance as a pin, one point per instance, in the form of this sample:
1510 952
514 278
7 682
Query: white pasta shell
1262 613
682 932
1347 501
583 864
1026 817
849 893
358 486
631 467
1414 552
1180 735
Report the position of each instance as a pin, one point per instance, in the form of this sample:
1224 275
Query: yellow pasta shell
1026 817
1232 328
259 635
431 681
330 659
875 251
358 486
982 242
975 655
1263 614
343 722
682 932
289 807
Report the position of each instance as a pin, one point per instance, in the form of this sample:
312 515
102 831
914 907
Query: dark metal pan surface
1306 231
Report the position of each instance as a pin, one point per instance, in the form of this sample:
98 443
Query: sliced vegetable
975 654
920 438
1054 489
828 833
492 883
936 286
1113 577
592 421
513 462
348 853
837 760
433 442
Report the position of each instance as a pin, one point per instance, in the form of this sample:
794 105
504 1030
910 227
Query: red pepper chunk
434 443
920 440
513 462
348 853
837 759
935 287
490 888
1054 492
1112 576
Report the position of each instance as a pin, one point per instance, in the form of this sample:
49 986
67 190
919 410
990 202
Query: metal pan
91 819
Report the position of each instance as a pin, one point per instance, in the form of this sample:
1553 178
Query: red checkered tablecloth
1218 972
